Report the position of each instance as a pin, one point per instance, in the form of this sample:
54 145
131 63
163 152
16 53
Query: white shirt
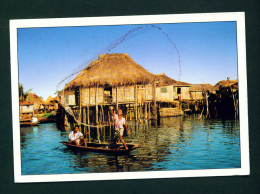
73 136
119 124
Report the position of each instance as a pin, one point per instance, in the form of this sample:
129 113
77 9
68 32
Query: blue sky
207 51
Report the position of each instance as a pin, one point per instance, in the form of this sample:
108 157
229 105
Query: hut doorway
108 95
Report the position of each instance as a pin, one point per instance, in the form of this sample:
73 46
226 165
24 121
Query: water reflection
173 143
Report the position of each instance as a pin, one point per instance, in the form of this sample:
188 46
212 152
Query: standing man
76 137
119 126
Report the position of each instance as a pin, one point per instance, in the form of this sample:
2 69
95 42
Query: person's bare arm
126 128
112 111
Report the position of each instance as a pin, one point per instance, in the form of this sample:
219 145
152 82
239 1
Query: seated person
76 137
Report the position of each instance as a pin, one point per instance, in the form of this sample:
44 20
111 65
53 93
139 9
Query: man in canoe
119 126
76 137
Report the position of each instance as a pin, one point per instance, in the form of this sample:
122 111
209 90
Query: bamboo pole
207 103
155 108
130 113
136 117
116 99
80 111
149 110
96 96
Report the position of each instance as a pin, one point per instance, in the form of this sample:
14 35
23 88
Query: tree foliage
23 95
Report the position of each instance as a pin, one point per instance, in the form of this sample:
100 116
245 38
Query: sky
191 52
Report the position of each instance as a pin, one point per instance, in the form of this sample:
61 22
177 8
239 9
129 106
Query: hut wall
184 92
196 95
144 93
27 109
164 94
70 100
125 94
88 96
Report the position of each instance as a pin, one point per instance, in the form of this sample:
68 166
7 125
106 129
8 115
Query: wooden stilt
79 112
154 97
116 99
145 112
84 118
149 111
96 98
130 113
136 116
88 121
145 104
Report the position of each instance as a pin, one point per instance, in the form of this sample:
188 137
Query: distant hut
39 103
169 93
228 92
26 107
169 89
113 79
226 87
52 103
197 91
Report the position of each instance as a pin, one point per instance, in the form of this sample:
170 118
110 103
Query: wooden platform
169 112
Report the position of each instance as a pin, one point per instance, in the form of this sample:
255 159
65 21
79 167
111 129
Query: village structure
115 80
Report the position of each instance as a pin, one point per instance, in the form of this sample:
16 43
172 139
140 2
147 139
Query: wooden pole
80 111
84 118
116 99
136 118
145 109
130 113
155 108
96 98
88 121
149 110
124 95
207 102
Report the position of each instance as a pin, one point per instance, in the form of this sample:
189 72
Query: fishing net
128 36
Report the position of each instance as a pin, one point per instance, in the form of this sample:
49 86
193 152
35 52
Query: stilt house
169 93
112 80
197 91
169 90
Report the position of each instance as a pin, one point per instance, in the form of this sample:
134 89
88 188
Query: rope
112 46
70 112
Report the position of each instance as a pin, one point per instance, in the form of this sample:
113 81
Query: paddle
59 147
74 140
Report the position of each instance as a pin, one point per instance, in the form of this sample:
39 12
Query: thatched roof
202 87
165 80
48 99
35 98
228 84
112 70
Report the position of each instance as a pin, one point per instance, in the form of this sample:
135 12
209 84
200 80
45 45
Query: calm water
175 143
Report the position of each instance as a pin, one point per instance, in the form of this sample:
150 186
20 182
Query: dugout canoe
103 147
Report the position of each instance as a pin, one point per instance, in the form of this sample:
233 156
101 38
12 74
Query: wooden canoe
28 124
103 147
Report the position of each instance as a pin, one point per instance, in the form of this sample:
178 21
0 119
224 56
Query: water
176 143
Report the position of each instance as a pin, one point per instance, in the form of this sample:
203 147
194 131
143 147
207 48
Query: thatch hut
113 79
52 103
169 89
227 85
169 93
197 91
39 103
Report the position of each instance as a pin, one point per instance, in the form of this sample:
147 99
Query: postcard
129 97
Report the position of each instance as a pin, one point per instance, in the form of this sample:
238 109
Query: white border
239 17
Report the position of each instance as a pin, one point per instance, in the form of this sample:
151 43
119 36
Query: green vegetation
23 95
45 115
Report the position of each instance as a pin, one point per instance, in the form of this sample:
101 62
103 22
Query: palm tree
23 95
